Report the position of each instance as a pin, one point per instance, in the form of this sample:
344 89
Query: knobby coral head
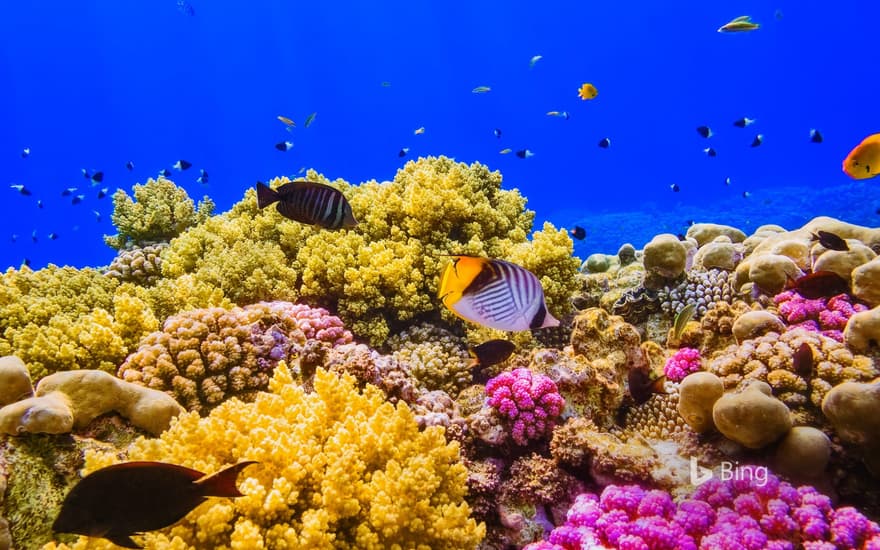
529 402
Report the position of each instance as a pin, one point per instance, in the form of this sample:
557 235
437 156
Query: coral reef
15 380
665 256
436 358
139 265
752 417
701 288
682 363
752 510
826 315
337 469
61 318
159 211
383 273
697 396
205 356
530 403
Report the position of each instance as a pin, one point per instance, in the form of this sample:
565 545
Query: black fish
284 145
85 173
125 499
497 132
605 143
802 361
759 139
524 153
710 152
68 192
815 136
641 386
487 354
402 153
309 202
102 192
578 232
182 165
203 176
164 172
704 131
675 188
53 236
831 241
819 284
129 165
77 199
97 177
743 122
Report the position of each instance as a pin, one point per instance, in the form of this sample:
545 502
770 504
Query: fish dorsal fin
137 465
222 484
743 19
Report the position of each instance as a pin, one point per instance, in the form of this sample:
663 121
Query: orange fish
863 162
587 91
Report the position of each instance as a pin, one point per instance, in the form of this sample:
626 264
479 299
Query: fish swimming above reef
506 150
525 154
495 294
309 120
819 284
605 143
26 152
309 202
743 122
164 173
587 91
203 176
497 132
534 60
740 24
22 190
182 165
578 232
815 136
831 241
759 139
710 152
419 131
69 191
481 90
97 178
289 123
704 131
863 161
403 151
284 146
129 165
487 354
126 499
103 192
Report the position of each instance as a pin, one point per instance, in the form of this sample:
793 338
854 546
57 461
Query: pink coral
748 511
530 403
682 363
825 315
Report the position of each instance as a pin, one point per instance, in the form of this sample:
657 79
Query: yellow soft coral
62 318
385 272
338 469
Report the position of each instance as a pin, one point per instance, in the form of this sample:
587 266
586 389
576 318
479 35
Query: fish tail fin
222 484
265 195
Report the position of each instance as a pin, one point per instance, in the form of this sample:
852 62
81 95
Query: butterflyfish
126 499
740 24
863 162
587 91
308 202
494 293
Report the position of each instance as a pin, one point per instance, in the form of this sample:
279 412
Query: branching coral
159 211
338 469
386 270
529 402
204 356
827 315
683 362
61 318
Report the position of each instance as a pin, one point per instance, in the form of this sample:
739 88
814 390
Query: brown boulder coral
205 356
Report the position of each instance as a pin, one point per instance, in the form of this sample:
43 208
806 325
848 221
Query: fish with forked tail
308 202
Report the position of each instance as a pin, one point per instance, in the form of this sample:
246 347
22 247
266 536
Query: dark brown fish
830 241
641 386
308 202
126 499
819 284
802 361
490 353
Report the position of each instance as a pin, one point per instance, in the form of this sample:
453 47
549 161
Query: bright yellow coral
385 272
338 469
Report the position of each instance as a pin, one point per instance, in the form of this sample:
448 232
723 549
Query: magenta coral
682 363
529 402
749 512
825 315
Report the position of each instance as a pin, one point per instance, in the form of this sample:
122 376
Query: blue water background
94 84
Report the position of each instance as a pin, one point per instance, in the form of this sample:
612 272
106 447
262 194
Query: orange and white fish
587 91
863 162
494 293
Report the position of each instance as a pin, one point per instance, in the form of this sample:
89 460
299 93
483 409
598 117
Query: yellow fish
287 122
740 24
587 91
494 293
505 150
420 130
481 90
863 161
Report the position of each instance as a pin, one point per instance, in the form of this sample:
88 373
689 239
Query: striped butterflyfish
494 293
308 202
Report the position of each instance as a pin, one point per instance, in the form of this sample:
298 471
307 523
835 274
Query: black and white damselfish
309 202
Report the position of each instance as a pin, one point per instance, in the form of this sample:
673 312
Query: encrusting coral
436 358
205 356
159 211
385 271
338 469
61 318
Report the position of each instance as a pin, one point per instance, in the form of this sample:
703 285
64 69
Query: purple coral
530 402
825 315
747 511
682 363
